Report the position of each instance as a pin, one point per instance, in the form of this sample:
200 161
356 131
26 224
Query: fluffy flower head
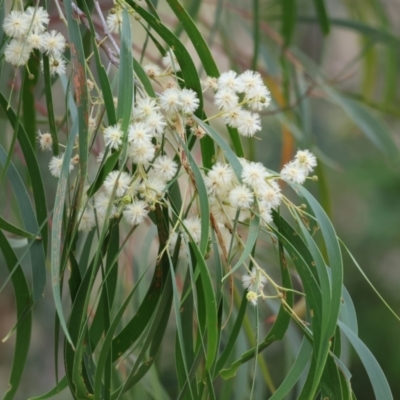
241 197
45 141
136 212
170 61
121 180
248 123
193 225
15 24
306 160
165 168
53 43
219 178
228 81
170 100
293 173
114 21
113 136
55 165
38 17
17 52
254 281
142 152
189 101
254 174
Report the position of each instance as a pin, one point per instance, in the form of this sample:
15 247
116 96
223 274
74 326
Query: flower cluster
28 31
297 170
235 92
145 169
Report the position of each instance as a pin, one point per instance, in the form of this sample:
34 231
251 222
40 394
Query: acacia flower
101 202
142 152
219 178
193 225
189 101
86 220
306 160
228 81
252 298
17 52
170 61
45 141
210 83
294 173
170 100
38 17
152 70
145 107
55 165
138 132
248 123
226 99
254 281
36 41
165 168
15 25
121 180
113 136
156 124
53 43
114 21
241 197
254 174
136 212
248 81
269 195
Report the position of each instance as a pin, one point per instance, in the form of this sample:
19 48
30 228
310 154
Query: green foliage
125 292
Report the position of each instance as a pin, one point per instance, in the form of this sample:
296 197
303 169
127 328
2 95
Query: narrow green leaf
38 263
141 319
295 372
81 91
211 308
203 199
24 316
336 282
125 78
50 103
289 19
233 336
108 341
141 74
228 153
28 96
179 329
56 236
322 16
14 229
282 321
103 77
250 243
32 167
376 376
106 168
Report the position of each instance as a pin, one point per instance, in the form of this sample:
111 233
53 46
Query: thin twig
105 27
